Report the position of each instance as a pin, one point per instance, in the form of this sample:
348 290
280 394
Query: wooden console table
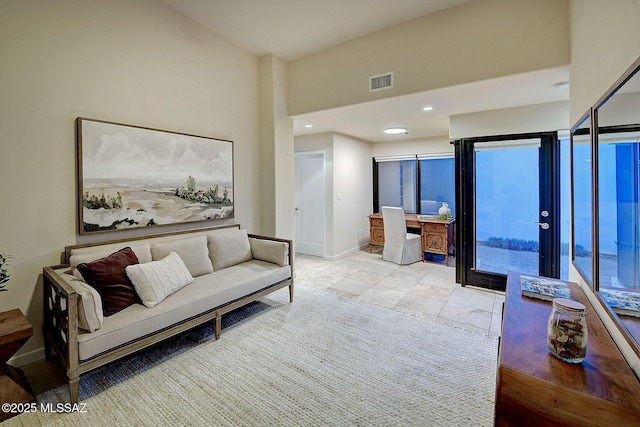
535 388
15 330
437 235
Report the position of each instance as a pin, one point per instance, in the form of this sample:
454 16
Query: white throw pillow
229 247
90 315
193 251
156 280
270 251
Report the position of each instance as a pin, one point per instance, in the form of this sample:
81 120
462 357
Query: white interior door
310 202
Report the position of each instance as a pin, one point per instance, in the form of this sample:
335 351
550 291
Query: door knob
543 225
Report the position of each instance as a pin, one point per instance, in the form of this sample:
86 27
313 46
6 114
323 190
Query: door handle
543 225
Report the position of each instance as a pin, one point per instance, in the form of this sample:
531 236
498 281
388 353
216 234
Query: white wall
349 190
352 193
322 142
267 144
531 118
476 41
411 147
621 109
276 144
604 43
135 62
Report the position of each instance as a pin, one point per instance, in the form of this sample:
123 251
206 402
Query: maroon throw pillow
108 277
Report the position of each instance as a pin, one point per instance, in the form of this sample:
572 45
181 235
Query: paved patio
498 260
501 261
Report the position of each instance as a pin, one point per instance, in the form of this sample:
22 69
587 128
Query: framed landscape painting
131 176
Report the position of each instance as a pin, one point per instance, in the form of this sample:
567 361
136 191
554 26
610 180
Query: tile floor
425 289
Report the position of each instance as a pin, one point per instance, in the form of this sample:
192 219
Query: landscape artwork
130 176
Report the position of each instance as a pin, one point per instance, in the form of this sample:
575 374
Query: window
565 205
581 203
419 184
437 184
397 184
618 195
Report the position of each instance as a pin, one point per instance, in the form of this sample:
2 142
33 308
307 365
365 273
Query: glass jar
567 330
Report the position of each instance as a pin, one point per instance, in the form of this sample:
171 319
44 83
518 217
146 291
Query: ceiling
367 121
292 29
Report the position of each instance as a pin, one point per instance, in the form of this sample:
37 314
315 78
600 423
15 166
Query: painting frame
133 177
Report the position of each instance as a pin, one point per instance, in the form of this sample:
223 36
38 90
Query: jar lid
568 304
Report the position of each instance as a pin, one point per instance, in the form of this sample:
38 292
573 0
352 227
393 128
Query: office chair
399 246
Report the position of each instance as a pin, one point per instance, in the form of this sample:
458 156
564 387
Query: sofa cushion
90 314
228 247
108 277
193 251
156 280
142 251
270 251
203 294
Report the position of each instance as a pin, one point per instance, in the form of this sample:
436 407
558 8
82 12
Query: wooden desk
535 388
15 330
437 235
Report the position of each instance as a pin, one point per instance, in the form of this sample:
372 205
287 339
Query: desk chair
399 246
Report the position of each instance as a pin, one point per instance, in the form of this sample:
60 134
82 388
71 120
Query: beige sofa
181 280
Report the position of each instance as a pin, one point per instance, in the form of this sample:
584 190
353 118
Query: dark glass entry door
507 190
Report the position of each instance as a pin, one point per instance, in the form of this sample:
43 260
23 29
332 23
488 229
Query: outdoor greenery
4 273
528 245
580 250
512 244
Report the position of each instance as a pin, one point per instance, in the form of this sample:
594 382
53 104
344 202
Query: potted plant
4 273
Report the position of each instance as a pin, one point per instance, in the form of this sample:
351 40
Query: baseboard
26 358
346 253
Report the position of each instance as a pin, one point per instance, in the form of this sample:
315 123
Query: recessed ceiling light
395 131
308 126
561 85
427 109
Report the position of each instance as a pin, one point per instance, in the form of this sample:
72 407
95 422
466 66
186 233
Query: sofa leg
73 389
291 292
217 324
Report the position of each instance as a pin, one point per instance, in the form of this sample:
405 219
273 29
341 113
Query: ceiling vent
381 82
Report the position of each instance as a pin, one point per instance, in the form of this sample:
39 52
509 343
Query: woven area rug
324 360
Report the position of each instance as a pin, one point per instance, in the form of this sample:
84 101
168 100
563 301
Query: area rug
324 360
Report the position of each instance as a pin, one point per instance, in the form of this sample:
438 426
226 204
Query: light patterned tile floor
425 289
